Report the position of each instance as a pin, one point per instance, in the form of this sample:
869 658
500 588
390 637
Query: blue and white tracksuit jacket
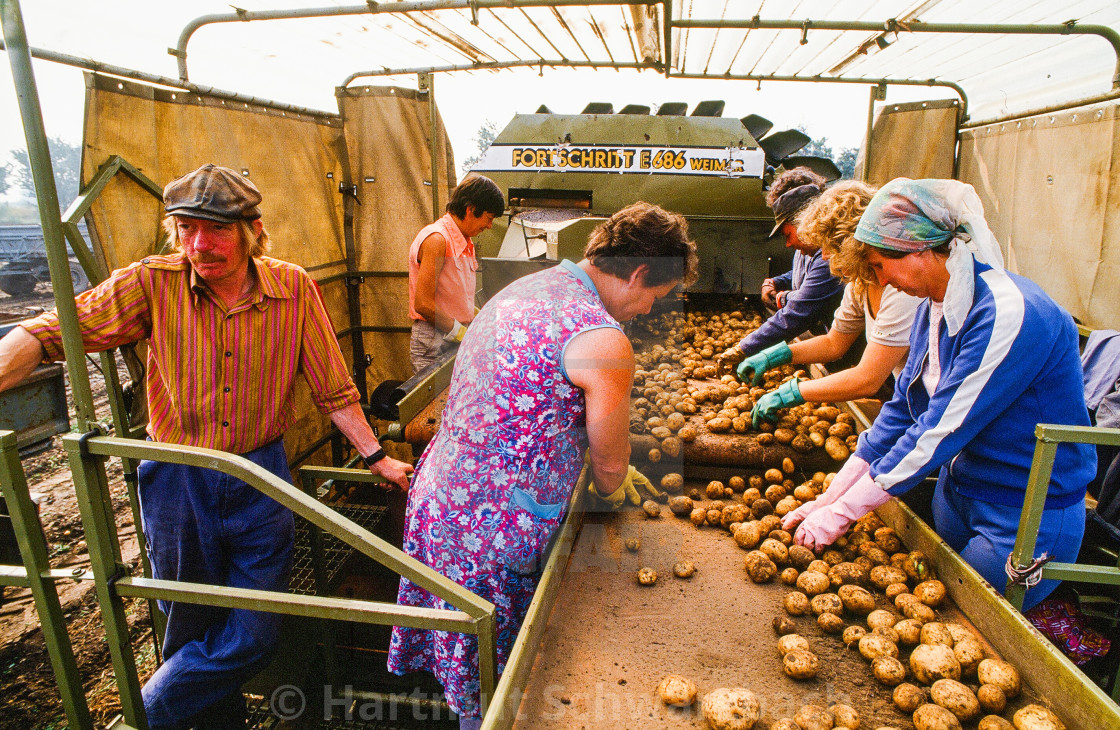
1013 364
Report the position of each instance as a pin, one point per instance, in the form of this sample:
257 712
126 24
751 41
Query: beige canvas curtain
388 132
291 158
1050 185
916 140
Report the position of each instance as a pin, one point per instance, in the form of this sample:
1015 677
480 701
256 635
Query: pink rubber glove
849 474
825 525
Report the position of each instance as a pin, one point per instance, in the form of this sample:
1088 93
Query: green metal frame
38 575
425 392
507 696
474 615
1048 437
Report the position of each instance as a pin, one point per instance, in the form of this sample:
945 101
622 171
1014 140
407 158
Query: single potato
956 698
931 662
888 670
844 716
991 698
814 717
790 642
796 603
935 717
909 697
677 691
730 709
801 664
994 722
857 600
874 646
1037 717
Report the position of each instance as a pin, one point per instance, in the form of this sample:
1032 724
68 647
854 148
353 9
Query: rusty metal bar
370 8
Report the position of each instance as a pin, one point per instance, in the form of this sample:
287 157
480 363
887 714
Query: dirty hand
755 366
854 468
824 526
788 394
393 471
727 359
769 294
626 492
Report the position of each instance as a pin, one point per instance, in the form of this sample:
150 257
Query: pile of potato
675 351
926 662
878 598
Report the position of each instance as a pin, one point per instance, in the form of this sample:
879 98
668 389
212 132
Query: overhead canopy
1002 63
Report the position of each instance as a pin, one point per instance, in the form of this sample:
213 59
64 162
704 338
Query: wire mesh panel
334 551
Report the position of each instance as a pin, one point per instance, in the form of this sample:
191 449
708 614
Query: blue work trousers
203 526
983 533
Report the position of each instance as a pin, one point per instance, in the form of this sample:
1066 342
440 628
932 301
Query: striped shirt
217 377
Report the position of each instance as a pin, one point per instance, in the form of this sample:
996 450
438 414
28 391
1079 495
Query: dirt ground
29 698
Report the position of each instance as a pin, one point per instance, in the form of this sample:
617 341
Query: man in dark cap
806 294
228 330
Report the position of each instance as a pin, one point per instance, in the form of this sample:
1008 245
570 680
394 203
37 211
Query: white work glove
824 526
849 474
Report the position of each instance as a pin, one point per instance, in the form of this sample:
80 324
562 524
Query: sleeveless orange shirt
456 285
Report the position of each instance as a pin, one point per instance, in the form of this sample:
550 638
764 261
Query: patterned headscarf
916 215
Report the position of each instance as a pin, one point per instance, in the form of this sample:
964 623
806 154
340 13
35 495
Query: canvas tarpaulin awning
166 134
388 132
916 140
1050 185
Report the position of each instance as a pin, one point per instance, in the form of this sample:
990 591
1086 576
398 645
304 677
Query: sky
240 57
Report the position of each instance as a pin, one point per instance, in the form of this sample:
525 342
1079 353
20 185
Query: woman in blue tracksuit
991 356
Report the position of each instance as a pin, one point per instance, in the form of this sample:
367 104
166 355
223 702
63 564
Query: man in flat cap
228 330
809 292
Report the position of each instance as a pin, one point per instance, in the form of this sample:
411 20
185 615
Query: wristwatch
375 457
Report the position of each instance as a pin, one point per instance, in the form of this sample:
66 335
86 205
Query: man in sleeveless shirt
442 266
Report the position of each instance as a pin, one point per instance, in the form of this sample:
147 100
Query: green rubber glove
787 395
757 364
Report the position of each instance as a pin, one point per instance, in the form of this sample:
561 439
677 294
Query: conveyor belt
738 450
609 641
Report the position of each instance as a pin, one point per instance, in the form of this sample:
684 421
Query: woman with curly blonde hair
883 313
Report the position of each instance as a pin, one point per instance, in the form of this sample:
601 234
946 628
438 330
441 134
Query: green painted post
105 559
1038 483
426 83
33 548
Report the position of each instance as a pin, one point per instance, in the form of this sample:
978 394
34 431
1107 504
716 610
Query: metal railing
474 615
38 575
1048 438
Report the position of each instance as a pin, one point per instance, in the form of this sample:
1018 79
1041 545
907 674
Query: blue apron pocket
527 526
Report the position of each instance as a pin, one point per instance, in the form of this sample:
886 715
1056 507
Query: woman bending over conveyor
882 312
544 373
991 356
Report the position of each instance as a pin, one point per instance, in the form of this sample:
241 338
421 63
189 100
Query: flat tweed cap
214 193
